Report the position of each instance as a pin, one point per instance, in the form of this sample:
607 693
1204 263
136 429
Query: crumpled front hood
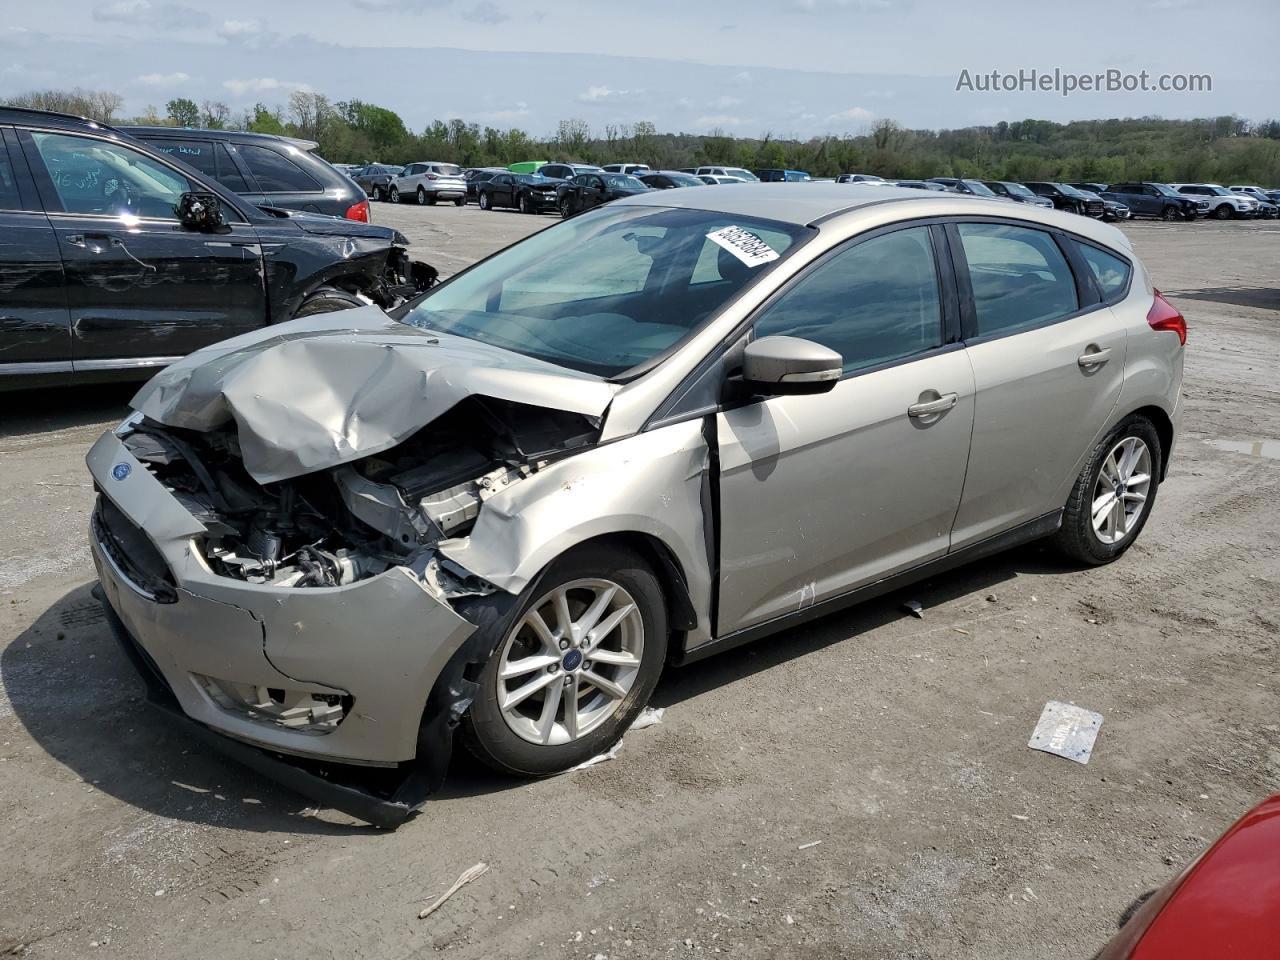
322 391
326 226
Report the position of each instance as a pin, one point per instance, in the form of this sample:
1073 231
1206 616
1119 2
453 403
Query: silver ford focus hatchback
647 434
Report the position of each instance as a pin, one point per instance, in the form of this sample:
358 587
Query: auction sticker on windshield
744 245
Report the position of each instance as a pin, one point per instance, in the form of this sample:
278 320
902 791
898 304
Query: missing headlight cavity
343 524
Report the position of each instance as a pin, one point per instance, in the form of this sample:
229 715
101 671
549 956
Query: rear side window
207 156
873 303
1111 272
275 172
1020 278
9 199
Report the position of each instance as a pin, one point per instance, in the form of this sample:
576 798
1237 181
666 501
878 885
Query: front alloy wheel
575 658
570 662
393 195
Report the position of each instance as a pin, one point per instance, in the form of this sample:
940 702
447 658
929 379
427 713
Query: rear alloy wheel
576 661
380 194
393 195
1113 496
484 201
459 201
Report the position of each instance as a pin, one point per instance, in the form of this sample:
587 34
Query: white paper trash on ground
1066 731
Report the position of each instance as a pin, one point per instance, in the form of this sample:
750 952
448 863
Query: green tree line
1219 149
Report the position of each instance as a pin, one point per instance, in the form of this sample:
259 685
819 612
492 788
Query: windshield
1165 190
610 289
1219 191
583 168
979 188
622 181
684 180
1070 191
741 174
1018 190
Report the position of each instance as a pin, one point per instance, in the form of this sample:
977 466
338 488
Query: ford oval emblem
120 470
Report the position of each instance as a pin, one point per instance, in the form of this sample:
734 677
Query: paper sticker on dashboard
744 245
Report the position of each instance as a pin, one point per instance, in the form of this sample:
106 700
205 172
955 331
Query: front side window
608 290
101 177
1020 278
874 302
275 172
1110 271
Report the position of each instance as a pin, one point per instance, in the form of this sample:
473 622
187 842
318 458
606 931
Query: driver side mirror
200 211
786 366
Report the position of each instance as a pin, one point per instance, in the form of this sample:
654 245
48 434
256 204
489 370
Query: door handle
1095 358
931 407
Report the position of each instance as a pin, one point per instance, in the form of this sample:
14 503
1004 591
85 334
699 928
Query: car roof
809 204
50 118
234 136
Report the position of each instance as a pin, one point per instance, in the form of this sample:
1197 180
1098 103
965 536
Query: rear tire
422 197
459 201
327 300
524 204
542 746
1097 524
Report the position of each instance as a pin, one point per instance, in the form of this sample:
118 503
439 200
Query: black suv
264 169
1146 199
116 258
1067 198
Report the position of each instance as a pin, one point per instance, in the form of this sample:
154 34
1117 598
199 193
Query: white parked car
635 169
1223 204
427 182
736 172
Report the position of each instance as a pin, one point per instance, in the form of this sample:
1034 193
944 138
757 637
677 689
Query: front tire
393 195
574 661
566 209
1170 213
327 300
485 203
1223 212
1113 496
459 201
524 204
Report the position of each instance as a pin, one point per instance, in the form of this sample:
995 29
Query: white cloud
163 79
604 94
721 120
742 76
399 6
143 13
486 12
232 29
262 85
853 113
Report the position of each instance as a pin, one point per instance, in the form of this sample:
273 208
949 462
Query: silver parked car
648 434
429 182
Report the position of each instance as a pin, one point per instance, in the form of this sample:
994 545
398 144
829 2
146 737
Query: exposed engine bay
337 526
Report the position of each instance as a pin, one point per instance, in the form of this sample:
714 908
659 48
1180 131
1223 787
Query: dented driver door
822 494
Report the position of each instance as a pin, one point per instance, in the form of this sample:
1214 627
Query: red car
1225 904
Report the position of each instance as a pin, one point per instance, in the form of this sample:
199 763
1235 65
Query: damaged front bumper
337 677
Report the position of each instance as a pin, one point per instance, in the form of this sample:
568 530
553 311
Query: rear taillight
358 211
1162 316
432 176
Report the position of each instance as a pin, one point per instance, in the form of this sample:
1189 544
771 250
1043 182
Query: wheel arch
1164 430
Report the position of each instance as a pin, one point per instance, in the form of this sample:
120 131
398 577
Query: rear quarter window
275 172
209 157
1019 277
1110 272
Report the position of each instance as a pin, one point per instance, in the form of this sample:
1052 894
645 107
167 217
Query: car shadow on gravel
1262 298
25 412
69 684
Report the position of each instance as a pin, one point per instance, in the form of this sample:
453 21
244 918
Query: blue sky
790 67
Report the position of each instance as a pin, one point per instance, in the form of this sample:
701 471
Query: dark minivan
264 169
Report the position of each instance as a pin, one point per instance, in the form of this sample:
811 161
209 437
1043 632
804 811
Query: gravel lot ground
899 744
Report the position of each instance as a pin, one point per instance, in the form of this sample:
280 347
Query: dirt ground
897 745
